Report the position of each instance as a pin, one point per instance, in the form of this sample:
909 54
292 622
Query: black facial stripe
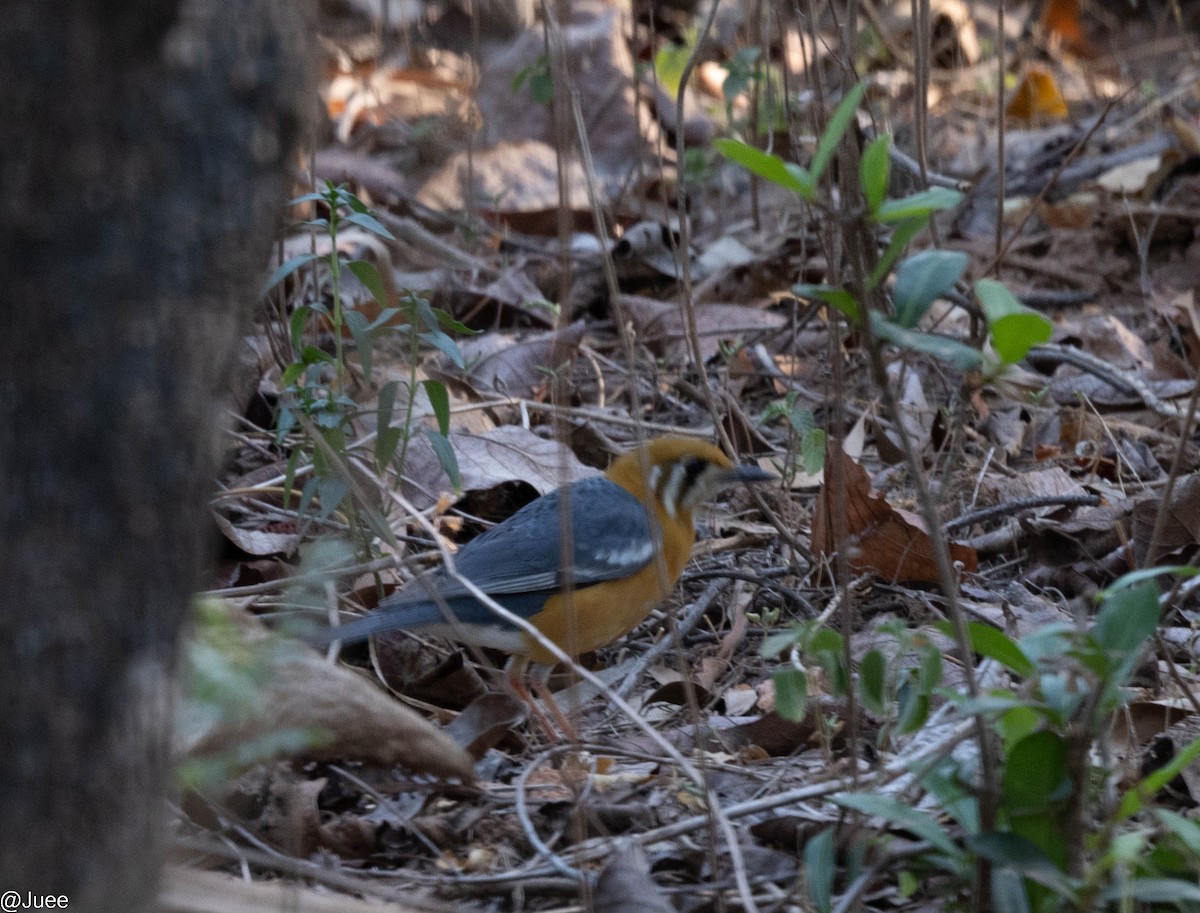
692 468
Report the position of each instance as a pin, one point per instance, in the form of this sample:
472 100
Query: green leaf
835 297
791 693
296 324
954 799
949 350
820 866
903 815
332 490
874 172
439 399
350 199
356 321
312 355
289 475
286 269
669 64
901 235
827 641
1015 329
1152 890
1035 774
1015 852
377 523
994 644
1184 829
1018 722
1132 802
872 672
292 373
449 323
922 205
834 131
923 278
446 457
1127 618
1008 892
370 223
912 707
306 198
812 450
986 703
441 341
1148 573
368 275
428 317
387 438
382 318
929 675
767 166
1049 641
776 643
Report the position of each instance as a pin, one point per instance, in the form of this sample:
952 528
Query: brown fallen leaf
486 460
1037 97
1145 718
883 539
485 721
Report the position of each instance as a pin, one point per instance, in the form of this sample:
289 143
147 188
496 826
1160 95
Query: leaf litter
1051 477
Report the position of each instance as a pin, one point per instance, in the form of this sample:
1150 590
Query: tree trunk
143 159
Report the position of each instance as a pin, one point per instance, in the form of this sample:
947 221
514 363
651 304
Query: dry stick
271 586
1125 381
1001 156
947 581
922 44
858 241
552 40
687 306
555 39
683 259
834 475
302 868
1168 600
598 848
535 840
1185 432
1008 508
690 619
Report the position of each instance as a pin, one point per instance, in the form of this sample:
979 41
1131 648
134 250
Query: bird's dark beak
748 473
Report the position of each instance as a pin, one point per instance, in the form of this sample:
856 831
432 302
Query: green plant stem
414 342
858 237
335 278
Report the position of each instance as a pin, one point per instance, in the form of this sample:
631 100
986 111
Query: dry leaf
884 540
486 721
508 454
1141 720
1037 97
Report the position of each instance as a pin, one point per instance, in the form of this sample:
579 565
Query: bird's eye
692 467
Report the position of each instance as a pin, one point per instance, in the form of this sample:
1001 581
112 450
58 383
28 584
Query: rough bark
143 155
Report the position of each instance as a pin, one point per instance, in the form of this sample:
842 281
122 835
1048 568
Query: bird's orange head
675 474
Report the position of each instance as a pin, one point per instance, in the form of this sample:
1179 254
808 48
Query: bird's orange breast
595 616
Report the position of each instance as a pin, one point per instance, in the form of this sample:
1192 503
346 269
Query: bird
631 537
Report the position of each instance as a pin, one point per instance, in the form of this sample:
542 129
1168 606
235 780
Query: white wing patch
630 554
